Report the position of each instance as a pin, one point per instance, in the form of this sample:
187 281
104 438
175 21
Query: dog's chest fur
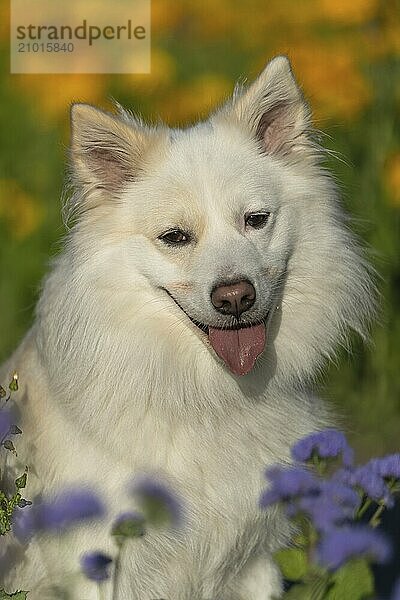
215 460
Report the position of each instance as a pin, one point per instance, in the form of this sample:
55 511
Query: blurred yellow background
345 55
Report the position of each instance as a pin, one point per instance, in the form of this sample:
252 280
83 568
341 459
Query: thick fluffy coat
120 372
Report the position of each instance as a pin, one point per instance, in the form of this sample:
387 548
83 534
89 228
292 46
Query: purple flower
369 479
288 482
331 506
387 466
372 484
5 423
96 565
329 443
160 505
322 511
341 493
373 477
66 510
340 545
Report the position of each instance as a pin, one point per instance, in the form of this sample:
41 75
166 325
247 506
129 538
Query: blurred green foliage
346 56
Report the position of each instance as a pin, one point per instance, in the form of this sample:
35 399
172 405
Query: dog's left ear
274 110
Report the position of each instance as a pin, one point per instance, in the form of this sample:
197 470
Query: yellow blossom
392 178
349 11
162 74
331 78
20 211
195 99
51 94
4 20
166 15
212 19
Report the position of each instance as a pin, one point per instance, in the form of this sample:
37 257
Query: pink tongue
238 348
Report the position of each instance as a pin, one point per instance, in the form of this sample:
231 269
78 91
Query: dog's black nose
234 298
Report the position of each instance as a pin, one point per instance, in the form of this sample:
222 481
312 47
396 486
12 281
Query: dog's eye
174 237
256 220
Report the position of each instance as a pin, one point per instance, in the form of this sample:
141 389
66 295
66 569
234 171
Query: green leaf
22 503
13 386
354 581
21 481
17 595
300 539
8 445
298 592
313 590
292 562
15 430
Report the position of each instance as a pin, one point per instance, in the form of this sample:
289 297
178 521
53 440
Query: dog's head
230 228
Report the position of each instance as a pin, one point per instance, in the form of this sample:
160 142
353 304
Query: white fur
116 379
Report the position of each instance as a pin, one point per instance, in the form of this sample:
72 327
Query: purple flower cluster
344 543
66 510
159 504
373 477
331 504
326 503
287 483
329 443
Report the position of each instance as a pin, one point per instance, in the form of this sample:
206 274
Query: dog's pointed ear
106 150
274 110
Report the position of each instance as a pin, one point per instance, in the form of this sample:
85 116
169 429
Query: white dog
207 277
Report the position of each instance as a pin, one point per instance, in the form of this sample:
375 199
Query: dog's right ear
107 150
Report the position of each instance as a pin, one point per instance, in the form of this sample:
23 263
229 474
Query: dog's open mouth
239 346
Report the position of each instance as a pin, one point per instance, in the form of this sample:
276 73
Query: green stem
319 464
310 535
116 574
363 508
375 520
